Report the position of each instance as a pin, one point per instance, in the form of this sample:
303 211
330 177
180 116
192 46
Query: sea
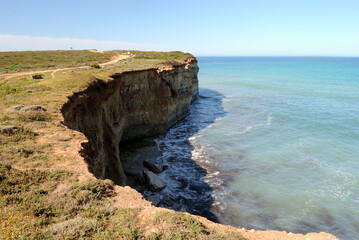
271 143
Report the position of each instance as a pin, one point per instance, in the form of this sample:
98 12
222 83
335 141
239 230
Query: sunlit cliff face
134 104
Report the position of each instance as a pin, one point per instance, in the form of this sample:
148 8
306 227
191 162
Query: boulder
132 171
8 129
184 183
155 200
15 108
33 108
152 167
164 168
154 182
24 108
38 76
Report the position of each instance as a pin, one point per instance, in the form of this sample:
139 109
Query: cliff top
46 78
25 61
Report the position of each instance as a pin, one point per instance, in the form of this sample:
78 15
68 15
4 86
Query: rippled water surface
275 142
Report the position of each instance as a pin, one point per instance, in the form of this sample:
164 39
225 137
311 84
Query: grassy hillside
40 60
46 191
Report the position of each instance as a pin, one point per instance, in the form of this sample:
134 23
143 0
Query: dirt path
97 51
113 60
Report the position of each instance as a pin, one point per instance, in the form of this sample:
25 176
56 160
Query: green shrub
34 116
78 227
95 66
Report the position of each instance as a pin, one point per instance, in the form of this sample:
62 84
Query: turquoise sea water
285 152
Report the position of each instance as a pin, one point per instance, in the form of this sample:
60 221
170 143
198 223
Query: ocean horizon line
276 56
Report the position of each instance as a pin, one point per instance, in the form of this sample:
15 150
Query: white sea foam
251 128
303 173
268 123
192 138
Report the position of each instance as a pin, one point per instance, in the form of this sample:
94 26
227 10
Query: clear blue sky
224 27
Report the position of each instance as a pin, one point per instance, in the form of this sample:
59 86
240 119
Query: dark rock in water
197 188
9 129
164 168
166 201
140 178
209 215
133 154
183 209
154 182
152 167
155 200
132 171
184 183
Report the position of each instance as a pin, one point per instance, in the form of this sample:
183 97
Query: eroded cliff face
134 104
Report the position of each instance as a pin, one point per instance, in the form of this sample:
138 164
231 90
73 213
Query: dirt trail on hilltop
113 60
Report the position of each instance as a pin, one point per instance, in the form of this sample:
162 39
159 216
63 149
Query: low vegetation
41 196
40 60
176 55
95 66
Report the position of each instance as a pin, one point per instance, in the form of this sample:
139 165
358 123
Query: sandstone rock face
134 104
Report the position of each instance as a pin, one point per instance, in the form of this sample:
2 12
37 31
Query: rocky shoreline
146 178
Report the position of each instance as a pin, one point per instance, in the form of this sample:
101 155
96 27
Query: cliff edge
134 104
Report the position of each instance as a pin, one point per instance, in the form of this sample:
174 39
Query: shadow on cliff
186 189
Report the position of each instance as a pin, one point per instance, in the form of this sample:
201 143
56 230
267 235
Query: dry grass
40 60
184 226
78 227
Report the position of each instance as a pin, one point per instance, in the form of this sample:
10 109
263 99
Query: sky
203 28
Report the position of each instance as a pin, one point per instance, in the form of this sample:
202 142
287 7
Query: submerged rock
152 167
155 182
155 200
164 167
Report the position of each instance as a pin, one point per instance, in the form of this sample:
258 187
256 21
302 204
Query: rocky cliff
134 104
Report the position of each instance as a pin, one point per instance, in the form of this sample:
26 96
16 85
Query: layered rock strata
134 104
